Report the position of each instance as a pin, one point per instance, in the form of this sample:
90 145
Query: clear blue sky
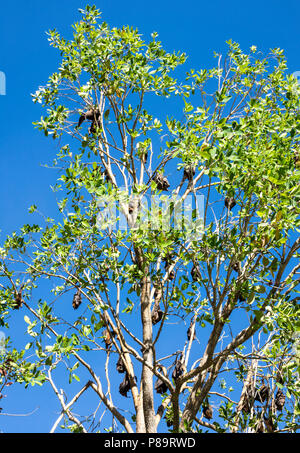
195 27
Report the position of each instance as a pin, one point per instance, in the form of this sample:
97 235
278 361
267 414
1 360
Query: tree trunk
147 375
140 419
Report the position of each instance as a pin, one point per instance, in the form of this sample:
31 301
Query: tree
180 305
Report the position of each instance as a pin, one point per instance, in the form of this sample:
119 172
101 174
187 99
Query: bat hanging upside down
90 115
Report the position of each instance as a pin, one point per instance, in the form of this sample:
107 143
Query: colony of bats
260 395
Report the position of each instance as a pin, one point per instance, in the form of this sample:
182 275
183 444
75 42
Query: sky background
195 27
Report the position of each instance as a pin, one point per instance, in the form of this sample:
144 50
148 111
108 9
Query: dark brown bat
156 294
120 365
18 299
160 386
168 261
230 203
156 315
207 411
124 386
132 205
178 370
94 126
161 182
89 115
279 400
236 266
279 377
189 172
107 337
76 300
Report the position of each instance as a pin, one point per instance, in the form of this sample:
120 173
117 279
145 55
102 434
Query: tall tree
174 259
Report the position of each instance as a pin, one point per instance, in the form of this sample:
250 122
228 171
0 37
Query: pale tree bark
140 419
147 375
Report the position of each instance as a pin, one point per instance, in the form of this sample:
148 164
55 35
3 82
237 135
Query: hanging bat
178 370
90 115
279 400
76 300
230 203
124 386
161 182
18 299
156 315
207 411
189 172
279 377
160 386
130 207
107 337
168 261
237 266
120 365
